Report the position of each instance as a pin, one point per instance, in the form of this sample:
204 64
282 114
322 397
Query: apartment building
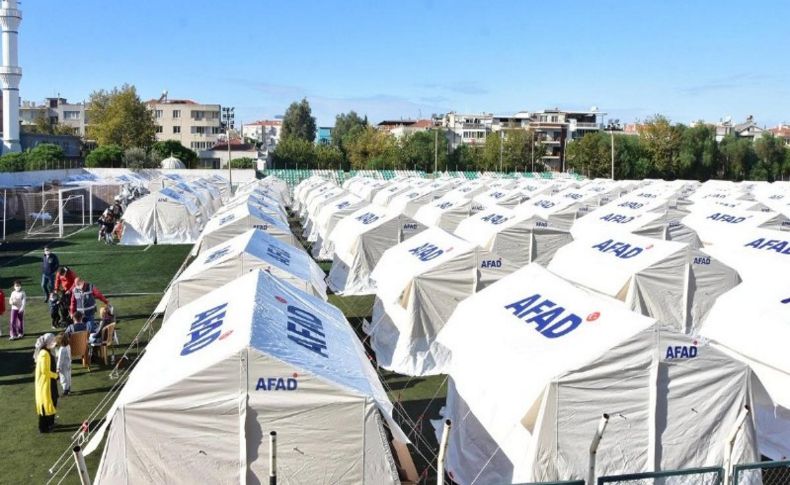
748 129
265 132
467 129
196 126
56 111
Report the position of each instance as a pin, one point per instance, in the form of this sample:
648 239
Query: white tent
314 205
669 281
445 213
535 363
327 219
752 323
386 194
499 197
359 241
261 202
254 249
253 356
714 225
329 188
757 254
303 189
641 213
410 201
238 220
275 187
521 239
162 217
419 282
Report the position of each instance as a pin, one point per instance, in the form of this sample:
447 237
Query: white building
265 132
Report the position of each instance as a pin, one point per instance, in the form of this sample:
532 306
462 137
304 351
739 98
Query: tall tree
373 148
738 157
591 155
418 150
43 126
328 157
293 152
119 117
770 151
347 125
299 122
698 154
661 140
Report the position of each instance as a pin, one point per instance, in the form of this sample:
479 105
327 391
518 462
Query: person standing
2 309
46 383
64 362
83 300
17 300
49 268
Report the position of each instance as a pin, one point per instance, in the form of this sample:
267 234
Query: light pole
614 125
500 149
228 118
533 152
435 152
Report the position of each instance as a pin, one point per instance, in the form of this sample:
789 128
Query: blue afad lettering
343 204
426 252
620 249
367 218
545 204
280 255
550 320
444 205
226 219
719 216
276 384
410 226
205 329
491 263
262 227
702 260
217 254
495 218
681 352
781 247
631 205
306 330
618 218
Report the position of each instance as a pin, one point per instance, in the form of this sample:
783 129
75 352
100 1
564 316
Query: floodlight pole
611 134
435 152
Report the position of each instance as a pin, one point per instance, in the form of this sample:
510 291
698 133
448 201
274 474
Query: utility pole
611 134
501 132
533 151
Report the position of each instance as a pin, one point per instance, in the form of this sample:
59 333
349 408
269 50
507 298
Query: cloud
727 83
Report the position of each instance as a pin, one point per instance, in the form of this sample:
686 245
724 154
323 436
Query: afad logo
219 253
277 383
722 217
305 329
781 247
428 251
622 250
676 352
494 218
206 328
224 220
550 319
618 218
367 218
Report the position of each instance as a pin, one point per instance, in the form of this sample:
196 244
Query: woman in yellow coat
46 383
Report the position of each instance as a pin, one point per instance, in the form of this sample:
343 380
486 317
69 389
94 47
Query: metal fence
691 476
766 473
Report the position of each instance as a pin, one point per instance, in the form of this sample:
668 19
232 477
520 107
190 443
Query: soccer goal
58 212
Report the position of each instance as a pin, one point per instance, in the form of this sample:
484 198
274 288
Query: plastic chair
107 342
78 342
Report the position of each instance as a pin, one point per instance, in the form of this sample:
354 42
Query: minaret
10 74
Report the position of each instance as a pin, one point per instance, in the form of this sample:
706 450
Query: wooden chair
78 342
107 337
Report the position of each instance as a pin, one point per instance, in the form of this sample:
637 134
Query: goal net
57 212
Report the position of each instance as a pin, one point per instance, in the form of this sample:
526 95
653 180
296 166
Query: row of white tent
671 263
248 346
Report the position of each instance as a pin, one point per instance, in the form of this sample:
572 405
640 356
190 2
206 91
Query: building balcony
473 126
588 126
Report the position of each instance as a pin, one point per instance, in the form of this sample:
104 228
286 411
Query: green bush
13 162
105 156
243 162
43 156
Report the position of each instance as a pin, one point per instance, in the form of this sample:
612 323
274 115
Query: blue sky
688 60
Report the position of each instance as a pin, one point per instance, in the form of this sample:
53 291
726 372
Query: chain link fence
691 476
766 473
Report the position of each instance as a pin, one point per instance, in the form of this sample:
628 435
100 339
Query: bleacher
293 176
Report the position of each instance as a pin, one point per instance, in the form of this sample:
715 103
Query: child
64 363
107 317
17 301
54 310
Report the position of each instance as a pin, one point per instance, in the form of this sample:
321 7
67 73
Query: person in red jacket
64 280
83 300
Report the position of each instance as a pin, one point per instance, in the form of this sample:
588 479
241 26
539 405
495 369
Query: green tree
13 162
591 155
43 156
293 152
631 161
347 127
417 150
299 122
105 156
738 157
372 148
242 162
119 117
698 154
770 152
661 140
137 158
164 149
328 157
466 157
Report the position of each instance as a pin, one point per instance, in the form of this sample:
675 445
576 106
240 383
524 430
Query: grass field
134 279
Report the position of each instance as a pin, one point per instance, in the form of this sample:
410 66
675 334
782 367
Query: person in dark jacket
49 267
